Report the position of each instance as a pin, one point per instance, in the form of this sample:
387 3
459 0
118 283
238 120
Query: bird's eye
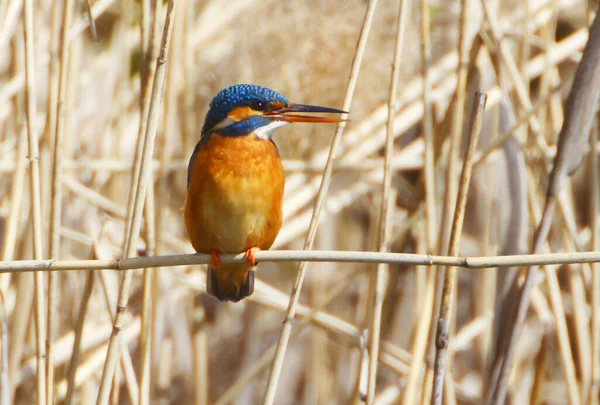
258 105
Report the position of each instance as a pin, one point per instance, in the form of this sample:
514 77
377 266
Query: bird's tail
230 282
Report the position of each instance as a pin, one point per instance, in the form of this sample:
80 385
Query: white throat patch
266 132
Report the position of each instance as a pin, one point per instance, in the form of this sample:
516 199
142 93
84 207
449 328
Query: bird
235 182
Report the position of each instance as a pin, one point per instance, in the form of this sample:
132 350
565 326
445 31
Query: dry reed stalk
582 341
406 118
541 368
115 383
17 188
83 22
58 132
295 227
16 198
409 115
595 287
145 342
449 389
263 362
108 300
450 190
20 315
148 40
129 374
88 10
562 335
318 372
13 87
469 332
280 256
149 47
402 163
400 368
30 111
93 335
548 35
76 353
4 381
388 396
481 156
420 343
164 374
147 77
378 279
445 311
200 362
146 18
360 390
560 317
427 387
94 361
131 245
565 205
76 236
22 284
190 125
513 72
8 254
126 367
339 330
421 274
115 389
451 184
10 22
427 123
150 277
269 396
525 43
486 284
579 306
53 82
566 356
95 198
580 108
284 307
48 140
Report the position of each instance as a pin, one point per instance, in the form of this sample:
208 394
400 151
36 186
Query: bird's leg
250 255
215 259
248 287
211 281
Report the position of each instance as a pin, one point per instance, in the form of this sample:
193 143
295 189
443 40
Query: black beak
283 115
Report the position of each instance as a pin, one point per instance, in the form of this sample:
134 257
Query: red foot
215 259
250 255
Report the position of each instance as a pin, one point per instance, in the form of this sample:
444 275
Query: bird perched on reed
235 182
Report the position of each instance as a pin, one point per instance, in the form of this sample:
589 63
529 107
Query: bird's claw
215 259
250 255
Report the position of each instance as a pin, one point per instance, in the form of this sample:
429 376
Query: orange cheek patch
277 105
241 113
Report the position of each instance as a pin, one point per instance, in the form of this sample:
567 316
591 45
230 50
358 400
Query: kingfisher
235 182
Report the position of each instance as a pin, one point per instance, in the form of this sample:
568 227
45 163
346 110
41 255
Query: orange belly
235 195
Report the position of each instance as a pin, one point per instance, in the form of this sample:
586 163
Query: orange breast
235 195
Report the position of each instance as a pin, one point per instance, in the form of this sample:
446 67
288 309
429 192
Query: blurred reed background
182 346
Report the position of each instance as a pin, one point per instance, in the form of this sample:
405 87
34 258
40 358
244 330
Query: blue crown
235 96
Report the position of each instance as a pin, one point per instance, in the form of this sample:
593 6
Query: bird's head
244 108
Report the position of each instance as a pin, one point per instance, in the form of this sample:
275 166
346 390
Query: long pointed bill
283 115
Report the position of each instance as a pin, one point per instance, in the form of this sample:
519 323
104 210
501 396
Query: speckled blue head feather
236 96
